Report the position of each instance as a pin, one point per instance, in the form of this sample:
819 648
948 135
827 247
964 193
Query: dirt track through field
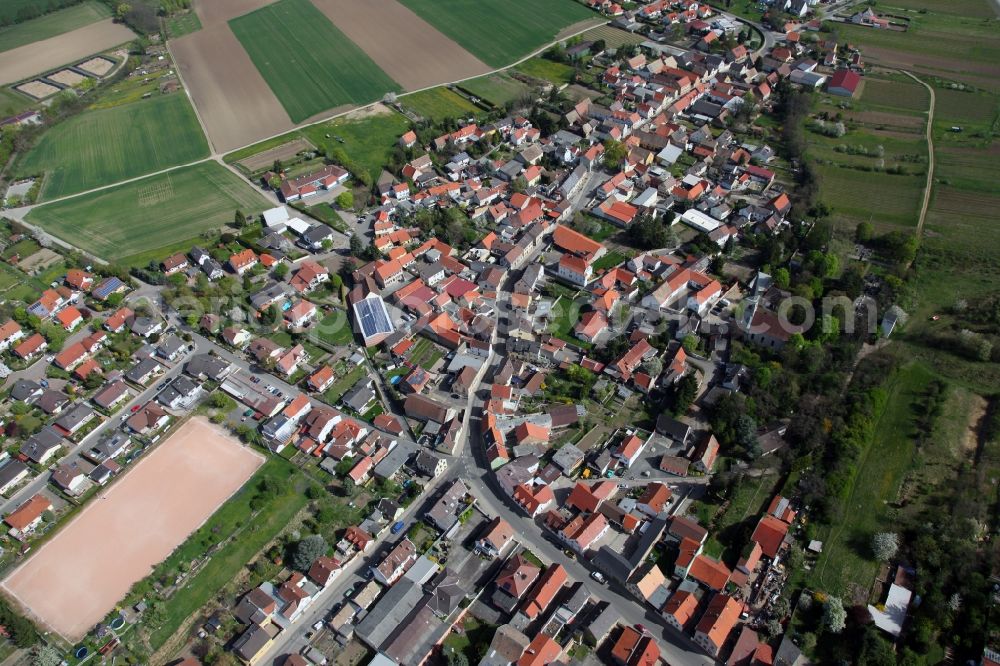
407 48
41 56
929 134
234 102
78 576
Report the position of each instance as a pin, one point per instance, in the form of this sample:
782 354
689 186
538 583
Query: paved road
293 640
678 649
471 466
40 481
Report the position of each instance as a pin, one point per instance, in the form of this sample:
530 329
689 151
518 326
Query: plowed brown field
41 56
236 105
407 48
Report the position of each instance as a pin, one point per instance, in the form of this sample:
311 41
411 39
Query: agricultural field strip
105 223
105 146
309 63
407 48
38 57
233 101
216 129
513 27
53 24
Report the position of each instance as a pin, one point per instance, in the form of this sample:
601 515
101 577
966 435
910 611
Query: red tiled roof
712 573
770 533
575 242
719 619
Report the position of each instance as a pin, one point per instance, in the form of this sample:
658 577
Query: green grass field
324 212
857 196
231 518
307 61
334 329
845 561
10 10
739 512
368 140
953 106
105 146
895 93
440 103
52 24
497 89
182 24
547 70
344 384
962 46
500 31
12 103
150 213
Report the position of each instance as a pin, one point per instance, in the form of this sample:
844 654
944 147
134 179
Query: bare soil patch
39 261
76 578
407 48
970 440
377 109
24 61
96 66
283 152
234 102
38 89
67 77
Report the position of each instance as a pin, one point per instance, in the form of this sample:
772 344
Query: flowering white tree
885 545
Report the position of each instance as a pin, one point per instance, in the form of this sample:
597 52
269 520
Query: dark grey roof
137 372
360 395
273 292
199 255
25 389
170 346
109 393
143 325
390 613
673 428
446 510
447 593
251 642
51 400
108 446
179 389
38 445
426 462
206 365
318 233
11 471
75 417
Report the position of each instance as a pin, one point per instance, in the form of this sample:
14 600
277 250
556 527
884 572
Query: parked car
598 576
398 527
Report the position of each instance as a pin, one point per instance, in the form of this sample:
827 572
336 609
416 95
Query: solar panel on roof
373 317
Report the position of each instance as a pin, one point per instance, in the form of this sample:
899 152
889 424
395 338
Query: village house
27 517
